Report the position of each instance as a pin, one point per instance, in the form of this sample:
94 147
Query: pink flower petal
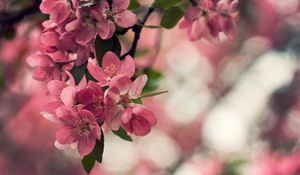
47 5
49 38
49 116
41 73
125 19
122 83
192 13
85 96
85 114
55 87
98 10
60 13
120 4
96 87
112 96
86 145
127 68
137 86
85 35
140 126
82 84
113 119
73 25
142 111
110 59
39 59
68 96
83 54
65 114
127 115
105 29
97 72
66 135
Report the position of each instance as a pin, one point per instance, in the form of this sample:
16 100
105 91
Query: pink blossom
226 20
138 120
201 21
92 98
108 17
49 40
78 37
59 10
111 67
118 99
43 67
77 127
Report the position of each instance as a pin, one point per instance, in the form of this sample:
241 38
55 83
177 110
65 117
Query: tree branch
137 29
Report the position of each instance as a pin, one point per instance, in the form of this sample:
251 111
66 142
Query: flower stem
153 94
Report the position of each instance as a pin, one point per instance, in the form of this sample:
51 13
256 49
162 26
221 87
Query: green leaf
102 46
133 5
153 79
78 72
137 101
233 167
99 148
88 162
122 134
171 17
165 4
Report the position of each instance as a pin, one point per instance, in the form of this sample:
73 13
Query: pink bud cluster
80 110
70 32
210 17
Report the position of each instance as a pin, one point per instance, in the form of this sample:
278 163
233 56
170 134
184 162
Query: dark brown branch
137 29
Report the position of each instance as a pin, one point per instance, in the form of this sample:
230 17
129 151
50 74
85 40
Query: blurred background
233 107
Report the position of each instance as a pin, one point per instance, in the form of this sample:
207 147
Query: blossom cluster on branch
208 18
92 90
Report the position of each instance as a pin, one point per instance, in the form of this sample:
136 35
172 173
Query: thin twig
137 29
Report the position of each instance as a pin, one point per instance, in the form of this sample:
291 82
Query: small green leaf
88 162
133 5
171 17
137 101
78 72
102 46
122 134
165 4
99 148
153 79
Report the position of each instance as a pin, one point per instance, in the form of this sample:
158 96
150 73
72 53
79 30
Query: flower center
111 70
82 127
124 100
109 15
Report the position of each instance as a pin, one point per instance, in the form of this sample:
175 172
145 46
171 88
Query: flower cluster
81 110
107 99
69 34
210 17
